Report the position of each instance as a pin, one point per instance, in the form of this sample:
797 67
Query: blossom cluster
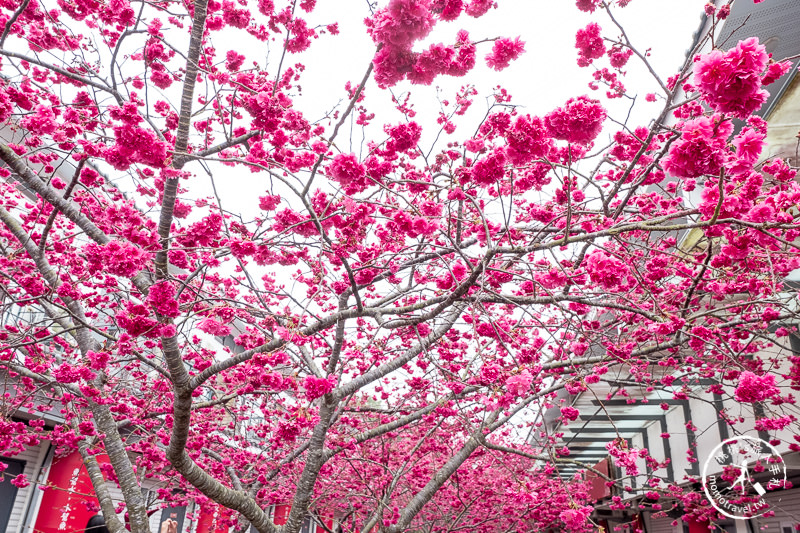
730 82
753 388
439 280
702 148
579 121
398 26
590 44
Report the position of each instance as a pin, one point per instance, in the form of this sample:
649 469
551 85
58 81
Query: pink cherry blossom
579 121
401 23
587 5
519 384
316 387
117 257
504 51
447 9
576 519
775 71
478 8
569 413
589 44
701 148
350 174
606 270
755 388
730 82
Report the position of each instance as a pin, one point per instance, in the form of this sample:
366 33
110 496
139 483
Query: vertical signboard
69 501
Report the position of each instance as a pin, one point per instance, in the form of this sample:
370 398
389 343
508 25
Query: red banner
281 514
599 489
213 519
69 501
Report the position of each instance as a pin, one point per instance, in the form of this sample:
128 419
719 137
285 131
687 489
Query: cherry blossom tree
369 335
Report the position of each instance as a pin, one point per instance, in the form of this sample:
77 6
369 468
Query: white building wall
663 525
679 442
704 417
787 512
33 457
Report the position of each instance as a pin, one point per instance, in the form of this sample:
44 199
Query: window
309 526
789 527
8 492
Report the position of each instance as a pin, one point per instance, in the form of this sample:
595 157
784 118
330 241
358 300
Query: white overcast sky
543 78
540 80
